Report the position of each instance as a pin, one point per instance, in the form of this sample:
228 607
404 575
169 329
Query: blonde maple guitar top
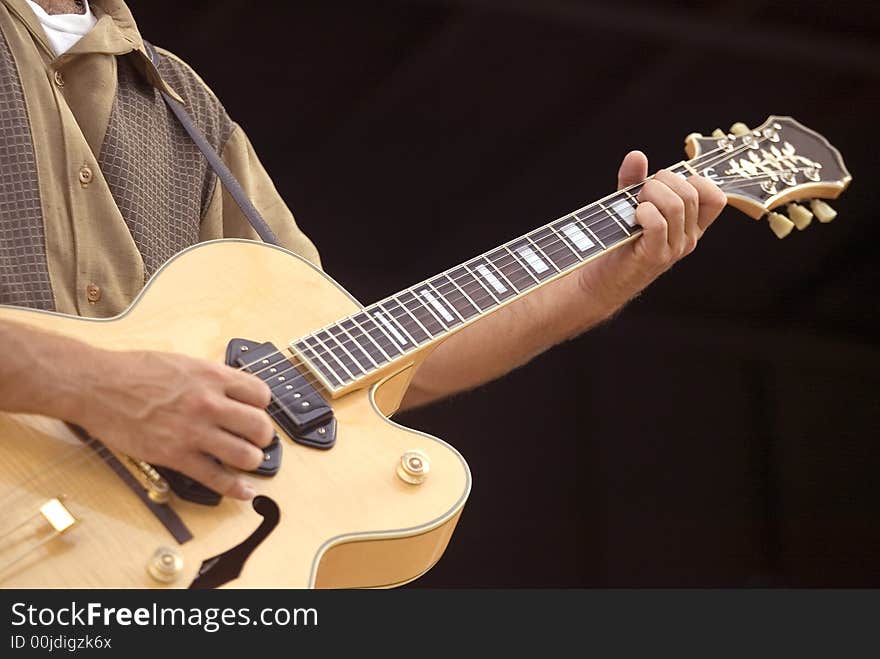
346 517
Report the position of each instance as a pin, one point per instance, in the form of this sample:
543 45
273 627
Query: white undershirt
64 30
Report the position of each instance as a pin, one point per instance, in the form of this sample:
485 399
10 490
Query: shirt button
93 293
85 175
59 79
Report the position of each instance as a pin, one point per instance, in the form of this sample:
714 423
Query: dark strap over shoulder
226 177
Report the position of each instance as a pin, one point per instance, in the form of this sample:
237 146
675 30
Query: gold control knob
413 467
165 565
780 224
823 212
739 128
800 215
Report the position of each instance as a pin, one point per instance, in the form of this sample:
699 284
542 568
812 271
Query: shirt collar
115 33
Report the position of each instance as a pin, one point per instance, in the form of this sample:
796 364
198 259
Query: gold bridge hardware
157 488
57 514
58 520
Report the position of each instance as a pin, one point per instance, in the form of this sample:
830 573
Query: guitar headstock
780 163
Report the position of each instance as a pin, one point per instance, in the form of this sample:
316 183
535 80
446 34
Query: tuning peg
800 216
739 128
780 224
718 134
823 212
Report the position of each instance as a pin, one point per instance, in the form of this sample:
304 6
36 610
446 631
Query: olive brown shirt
99 184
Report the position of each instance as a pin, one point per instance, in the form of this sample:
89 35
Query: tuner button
780 224
800 216
739 129
719 134
823 212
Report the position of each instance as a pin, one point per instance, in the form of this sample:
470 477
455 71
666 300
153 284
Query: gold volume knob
165 565
413 467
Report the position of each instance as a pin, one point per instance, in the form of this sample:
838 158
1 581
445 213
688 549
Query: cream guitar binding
347 497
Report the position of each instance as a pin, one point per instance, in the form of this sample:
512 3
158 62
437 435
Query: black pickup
297 406
300 409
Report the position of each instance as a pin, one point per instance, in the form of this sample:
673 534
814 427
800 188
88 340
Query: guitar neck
386 335
780 162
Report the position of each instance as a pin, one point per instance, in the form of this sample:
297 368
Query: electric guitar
347 498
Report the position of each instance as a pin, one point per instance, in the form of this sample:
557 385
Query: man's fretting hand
674 213
178 412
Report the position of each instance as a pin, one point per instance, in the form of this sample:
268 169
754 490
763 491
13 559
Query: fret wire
506 262
355 341
413 316
496 270
342 341
610 231
384 332
565 242
399 324
485 257
430 309
420 305
613 216
690 169
488 262
524 266
468 297
324 358
318 357
712 156
367 334
465 297
345 350
443 297
582 223
451 280
330 352
532 242
480 282
602 220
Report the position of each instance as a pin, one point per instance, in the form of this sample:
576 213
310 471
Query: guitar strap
227 178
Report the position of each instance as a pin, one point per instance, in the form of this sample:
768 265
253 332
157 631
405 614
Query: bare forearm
673 213
41 372
509 338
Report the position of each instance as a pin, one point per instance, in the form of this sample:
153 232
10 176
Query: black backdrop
722 430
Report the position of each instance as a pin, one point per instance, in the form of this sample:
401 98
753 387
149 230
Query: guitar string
343 353
357 364
104 454
71 458
484 300
509 259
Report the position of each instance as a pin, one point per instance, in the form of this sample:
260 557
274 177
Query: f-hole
227 566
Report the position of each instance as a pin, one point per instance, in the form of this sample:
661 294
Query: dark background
722 430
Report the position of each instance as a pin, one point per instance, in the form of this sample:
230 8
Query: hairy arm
673 212
168 410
